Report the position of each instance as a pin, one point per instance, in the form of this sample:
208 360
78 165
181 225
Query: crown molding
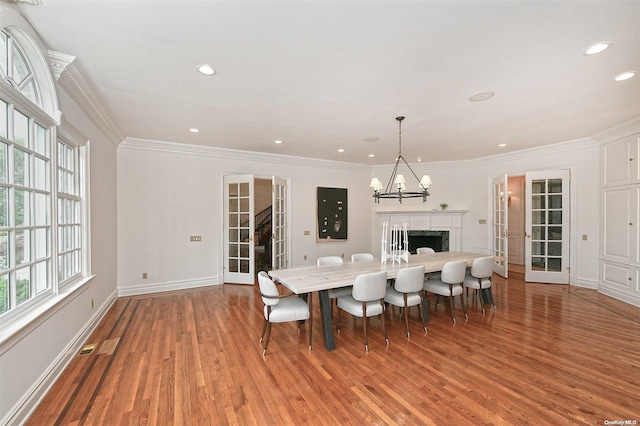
73 79
235 154
539 151
624 129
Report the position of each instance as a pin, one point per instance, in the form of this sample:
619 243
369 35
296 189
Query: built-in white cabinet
620 213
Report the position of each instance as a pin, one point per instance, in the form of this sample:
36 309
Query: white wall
465 185
167 192
31 358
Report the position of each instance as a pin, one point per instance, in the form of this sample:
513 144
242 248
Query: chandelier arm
411 170
392 178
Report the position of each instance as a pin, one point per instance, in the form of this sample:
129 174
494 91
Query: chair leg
406 316
453 315
266 343
384 328
339 319
424 325
492 299
480 301
464 305
264 328
364 325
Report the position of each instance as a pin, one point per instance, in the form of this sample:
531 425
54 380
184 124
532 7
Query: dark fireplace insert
437 240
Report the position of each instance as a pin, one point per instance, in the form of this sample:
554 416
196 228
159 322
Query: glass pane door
239 250
279 227
499 225
547 224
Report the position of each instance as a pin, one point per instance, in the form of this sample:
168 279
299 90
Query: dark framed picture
331 214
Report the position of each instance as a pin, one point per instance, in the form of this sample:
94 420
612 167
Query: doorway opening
263 223
516 222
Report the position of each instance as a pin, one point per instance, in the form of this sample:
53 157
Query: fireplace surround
438 229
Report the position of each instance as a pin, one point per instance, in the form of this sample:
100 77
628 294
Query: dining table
303 280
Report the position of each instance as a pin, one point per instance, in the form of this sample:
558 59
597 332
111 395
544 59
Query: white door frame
563 276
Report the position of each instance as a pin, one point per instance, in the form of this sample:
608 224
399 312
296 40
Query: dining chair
281 308
450 284
366 300
406 292
479 279
428 250
359 257
334 293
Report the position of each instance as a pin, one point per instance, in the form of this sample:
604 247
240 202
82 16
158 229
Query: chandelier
397 185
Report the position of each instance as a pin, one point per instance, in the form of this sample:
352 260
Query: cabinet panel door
620 160
617 223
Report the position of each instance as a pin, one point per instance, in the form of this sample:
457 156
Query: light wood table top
306 279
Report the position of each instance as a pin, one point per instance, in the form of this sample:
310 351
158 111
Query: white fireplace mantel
427 220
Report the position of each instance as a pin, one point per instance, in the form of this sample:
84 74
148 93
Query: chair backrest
370 287
454 272
357 257
482 267
330 260
425 250
410 280
268 288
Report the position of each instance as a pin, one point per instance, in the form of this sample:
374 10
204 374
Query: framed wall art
331 214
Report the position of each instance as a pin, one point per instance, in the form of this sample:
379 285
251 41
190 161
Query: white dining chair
428 250
359 257
366 300
450 284
479 279
334 293
281 308
406 292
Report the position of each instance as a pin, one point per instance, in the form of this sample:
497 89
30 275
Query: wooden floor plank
549 354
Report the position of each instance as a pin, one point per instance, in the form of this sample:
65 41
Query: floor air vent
87 349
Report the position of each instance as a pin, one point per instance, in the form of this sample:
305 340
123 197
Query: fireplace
437 240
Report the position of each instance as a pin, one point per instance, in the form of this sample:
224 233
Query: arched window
42 222
16 69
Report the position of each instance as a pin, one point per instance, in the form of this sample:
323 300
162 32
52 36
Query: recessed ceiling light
206 69
341 150
597 48
277 142
419 160
194 130
502 145
372 155
481 96
625 76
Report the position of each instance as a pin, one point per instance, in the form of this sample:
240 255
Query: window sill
15 330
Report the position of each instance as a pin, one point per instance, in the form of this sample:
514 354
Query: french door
500 219
547 226
239 218
279 228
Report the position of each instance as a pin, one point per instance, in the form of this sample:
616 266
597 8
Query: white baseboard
32 398
630 299
167 286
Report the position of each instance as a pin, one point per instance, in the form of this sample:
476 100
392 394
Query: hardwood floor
548 355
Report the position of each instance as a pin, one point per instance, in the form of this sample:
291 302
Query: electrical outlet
584 237
307 232
91 303
482 221
195 238
305 257
144 275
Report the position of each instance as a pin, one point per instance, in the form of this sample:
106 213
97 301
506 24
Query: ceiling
327 75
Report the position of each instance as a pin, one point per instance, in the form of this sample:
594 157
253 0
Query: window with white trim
43 220
70 218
